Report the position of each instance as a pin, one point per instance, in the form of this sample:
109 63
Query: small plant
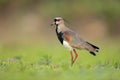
117 65
45 60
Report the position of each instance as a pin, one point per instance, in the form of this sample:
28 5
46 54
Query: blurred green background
22 20
29 48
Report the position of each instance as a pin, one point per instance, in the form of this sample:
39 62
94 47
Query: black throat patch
59 35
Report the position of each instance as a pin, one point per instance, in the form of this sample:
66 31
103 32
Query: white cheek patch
66 44
57 22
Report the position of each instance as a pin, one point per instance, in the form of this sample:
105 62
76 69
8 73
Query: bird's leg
72 59
76 55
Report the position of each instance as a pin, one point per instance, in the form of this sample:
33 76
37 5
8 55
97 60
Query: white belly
66 44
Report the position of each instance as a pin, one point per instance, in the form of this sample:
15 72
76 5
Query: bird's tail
95 47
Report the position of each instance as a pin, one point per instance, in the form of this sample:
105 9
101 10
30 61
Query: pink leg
72 59
76 55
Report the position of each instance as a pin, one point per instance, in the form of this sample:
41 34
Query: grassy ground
52 62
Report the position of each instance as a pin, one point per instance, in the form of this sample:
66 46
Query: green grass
52 62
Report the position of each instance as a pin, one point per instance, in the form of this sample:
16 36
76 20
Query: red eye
58 19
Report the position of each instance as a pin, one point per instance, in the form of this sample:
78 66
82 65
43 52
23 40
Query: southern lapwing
71 40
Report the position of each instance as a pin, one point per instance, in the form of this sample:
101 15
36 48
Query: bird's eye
56 20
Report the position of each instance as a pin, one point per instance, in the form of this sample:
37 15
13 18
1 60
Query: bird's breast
67 45
59 35
64 42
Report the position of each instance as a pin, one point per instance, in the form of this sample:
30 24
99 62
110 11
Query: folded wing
77 42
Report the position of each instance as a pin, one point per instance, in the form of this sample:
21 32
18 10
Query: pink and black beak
54 22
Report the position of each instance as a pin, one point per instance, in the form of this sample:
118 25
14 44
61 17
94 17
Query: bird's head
58 21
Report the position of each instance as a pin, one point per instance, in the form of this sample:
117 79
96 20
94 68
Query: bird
71 40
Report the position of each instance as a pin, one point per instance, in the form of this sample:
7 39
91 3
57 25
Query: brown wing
75 41
67 37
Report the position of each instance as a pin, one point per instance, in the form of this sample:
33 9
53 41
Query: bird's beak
53 24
